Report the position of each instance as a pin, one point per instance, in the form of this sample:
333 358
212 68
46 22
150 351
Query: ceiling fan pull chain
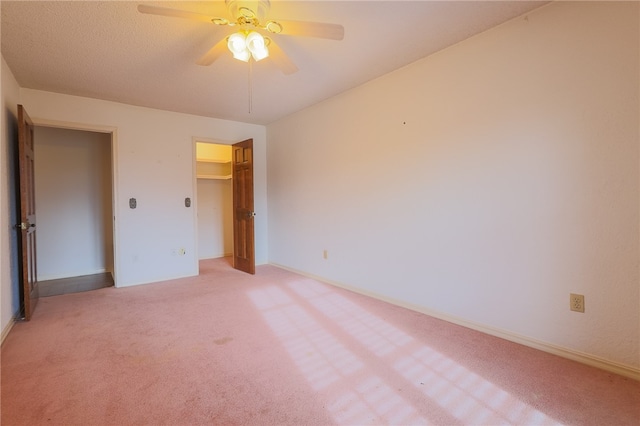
250 86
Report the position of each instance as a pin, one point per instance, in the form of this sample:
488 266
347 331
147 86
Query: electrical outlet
576 302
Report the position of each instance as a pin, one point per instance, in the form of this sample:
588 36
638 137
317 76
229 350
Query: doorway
74 193
229 168
214 199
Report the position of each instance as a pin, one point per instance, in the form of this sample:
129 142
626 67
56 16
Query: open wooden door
243 214
27 225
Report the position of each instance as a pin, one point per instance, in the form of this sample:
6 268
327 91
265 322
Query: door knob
25 225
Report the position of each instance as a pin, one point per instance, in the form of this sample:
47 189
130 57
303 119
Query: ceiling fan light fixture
257 46
249 16
237 44
246 45
243 56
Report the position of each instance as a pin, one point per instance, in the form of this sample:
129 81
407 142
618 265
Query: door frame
113 132
196 139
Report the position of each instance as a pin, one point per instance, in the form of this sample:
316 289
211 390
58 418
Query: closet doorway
74 206
214 199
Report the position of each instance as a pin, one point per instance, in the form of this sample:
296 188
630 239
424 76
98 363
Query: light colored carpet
281 349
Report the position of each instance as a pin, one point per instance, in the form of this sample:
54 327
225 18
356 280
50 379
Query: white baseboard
6 330
216 256
584 358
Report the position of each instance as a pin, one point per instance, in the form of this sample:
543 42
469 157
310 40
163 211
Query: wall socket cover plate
576 302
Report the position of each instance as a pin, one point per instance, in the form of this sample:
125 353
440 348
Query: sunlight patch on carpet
327 364
355 406
462 393
373 332
317 353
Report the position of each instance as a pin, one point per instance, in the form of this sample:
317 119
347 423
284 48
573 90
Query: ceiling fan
248 42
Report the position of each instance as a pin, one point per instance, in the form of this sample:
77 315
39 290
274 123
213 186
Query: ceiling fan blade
163 11
311 29
214 53
281 60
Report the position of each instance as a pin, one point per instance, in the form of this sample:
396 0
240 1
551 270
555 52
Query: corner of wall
6 330
9 295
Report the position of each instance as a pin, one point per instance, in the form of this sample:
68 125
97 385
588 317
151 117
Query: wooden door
27 226
243 214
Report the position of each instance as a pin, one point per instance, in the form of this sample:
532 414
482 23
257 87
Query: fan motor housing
248 9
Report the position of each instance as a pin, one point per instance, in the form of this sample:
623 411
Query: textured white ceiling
108 50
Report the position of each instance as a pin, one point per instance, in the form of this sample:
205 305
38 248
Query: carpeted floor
281 349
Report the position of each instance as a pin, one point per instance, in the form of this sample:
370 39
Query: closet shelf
219 177
215 167
213 160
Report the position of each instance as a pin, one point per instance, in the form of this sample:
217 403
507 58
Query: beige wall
9 301
482 184
154 163
215 218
